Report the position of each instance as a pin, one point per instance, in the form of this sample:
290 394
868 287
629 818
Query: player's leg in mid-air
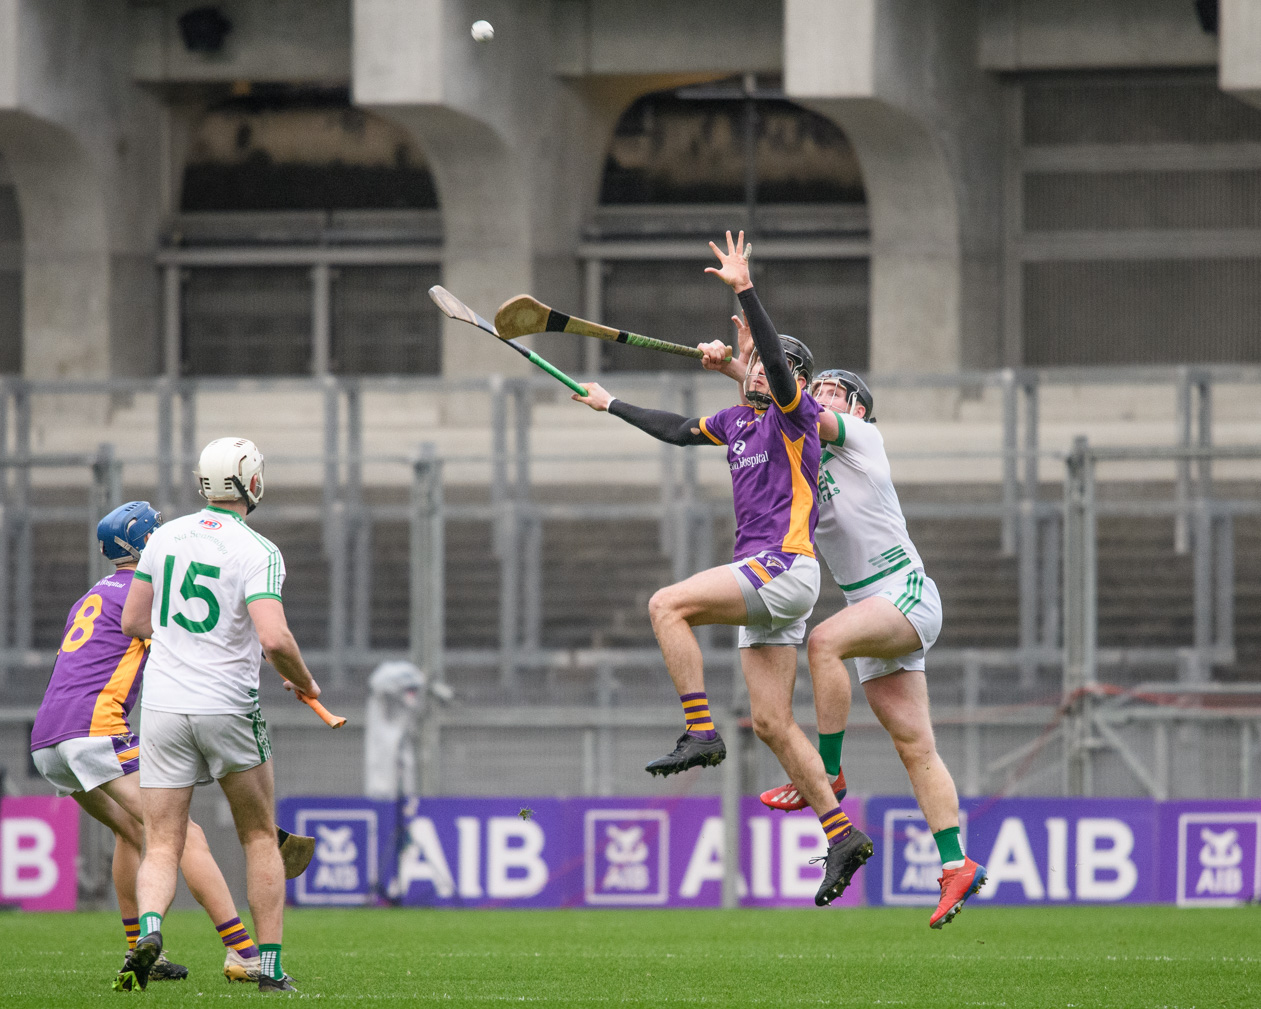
889 653
707 597
770 671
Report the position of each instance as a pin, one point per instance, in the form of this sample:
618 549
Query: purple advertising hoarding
546 852
39 848
1215 847
1036 851
668 852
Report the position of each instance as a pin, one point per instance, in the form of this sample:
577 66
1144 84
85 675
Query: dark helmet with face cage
800 360
856 390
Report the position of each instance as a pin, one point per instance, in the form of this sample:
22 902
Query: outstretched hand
597 397
734 271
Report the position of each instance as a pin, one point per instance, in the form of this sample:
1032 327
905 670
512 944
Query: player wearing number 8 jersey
208 593
83 745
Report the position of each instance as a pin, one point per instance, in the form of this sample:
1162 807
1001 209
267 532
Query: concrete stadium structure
98 99
1042 184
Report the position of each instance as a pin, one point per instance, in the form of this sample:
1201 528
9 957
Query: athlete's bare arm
137 619
672 428
829 426
280 647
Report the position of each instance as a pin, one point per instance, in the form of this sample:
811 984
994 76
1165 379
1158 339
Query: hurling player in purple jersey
770 588
83 745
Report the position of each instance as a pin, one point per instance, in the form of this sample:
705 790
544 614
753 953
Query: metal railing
1052 541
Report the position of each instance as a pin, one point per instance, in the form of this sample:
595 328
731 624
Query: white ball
483 31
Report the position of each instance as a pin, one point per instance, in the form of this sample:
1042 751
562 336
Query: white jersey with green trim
206 568
861 533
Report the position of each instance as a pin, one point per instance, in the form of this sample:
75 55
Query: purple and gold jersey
774 460
97 674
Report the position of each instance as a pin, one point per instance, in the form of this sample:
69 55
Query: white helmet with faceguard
231 469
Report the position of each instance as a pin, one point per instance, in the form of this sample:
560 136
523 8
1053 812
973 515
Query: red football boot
786 797
957 885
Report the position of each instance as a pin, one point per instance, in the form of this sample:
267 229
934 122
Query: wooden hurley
524 315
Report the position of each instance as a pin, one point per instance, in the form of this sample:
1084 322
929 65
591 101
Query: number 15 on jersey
198 584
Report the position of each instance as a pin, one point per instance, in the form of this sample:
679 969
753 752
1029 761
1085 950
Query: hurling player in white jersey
891 618
207 592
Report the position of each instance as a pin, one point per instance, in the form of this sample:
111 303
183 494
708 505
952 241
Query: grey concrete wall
270 40
1088 34
516 151
900 79
79 140
652 36
97 98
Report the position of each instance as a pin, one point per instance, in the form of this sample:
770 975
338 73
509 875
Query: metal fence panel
247 321
383 322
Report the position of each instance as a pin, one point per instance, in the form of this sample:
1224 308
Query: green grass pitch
990 956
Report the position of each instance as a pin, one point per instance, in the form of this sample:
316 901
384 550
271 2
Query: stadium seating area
597 578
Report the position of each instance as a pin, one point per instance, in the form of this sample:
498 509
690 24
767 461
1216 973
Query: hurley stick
453 308
523 315
335 721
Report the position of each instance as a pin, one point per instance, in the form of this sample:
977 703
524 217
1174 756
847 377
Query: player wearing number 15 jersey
83 745
208 593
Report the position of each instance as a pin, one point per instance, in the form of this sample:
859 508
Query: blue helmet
122 531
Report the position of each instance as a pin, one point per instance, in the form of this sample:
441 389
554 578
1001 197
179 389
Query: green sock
270 952
948 845
150 921
830 751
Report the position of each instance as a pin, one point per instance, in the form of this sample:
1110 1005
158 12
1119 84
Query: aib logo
738 447
344 870
335 853
626 856
1219 858
922 861
911 863
211 523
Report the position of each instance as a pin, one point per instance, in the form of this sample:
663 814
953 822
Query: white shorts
87 762
177 751
915 594
779 592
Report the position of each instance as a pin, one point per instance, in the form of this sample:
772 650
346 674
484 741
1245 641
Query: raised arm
672 428
735 273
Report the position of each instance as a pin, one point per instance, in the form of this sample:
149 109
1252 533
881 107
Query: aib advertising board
39 847
663 852
546 852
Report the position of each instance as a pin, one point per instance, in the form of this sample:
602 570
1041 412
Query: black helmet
855 388
799 357
800 360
